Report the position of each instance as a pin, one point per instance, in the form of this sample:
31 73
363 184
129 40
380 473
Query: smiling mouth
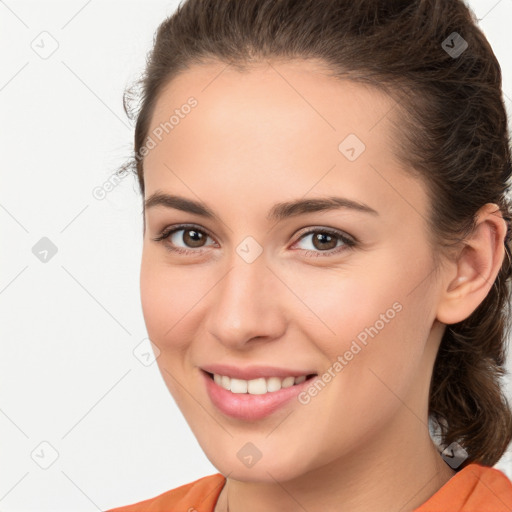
259 386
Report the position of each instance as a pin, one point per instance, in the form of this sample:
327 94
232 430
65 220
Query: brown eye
325 242
192 237
183 239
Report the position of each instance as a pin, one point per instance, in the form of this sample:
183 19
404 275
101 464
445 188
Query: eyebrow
278 212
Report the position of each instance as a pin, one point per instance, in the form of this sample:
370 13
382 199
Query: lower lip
244 406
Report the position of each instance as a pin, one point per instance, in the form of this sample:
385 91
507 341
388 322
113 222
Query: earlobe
476 267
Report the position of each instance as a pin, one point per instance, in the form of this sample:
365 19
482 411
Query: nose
247 305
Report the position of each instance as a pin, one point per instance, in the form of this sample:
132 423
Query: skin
263 137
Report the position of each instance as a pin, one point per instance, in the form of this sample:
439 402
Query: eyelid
303 231
349 241
323 229
169 230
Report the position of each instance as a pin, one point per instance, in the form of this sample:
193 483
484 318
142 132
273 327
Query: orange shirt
474 488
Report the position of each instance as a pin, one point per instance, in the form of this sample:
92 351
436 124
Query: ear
473 272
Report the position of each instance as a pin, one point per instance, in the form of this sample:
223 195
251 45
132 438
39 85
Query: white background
69 326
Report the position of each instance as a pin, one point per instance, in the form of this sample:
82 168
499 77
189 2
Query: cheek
378 321
153 300
160 291
173 299
379 357
163 306
348 305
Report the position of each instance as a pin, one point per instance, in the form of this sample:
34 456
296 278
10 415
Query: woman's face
342 285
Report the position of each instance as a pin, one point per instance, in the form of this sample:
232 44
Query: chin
265 470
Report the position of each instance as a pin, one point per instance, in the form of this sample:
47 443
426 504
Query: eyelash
348 241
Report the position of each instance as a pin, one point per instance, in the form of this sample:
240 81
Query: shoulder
198 496
474 488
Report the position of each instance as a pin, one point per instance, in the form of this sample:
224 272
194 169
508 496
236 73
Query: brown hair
450 131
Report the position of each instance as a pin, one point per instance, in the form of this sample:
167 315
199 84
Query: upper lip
254 372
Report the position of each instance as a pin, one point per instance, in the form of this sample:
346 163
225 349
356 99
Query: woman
309 374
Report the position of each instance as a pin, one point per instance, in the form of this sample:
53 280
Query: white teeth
238 386
273 384
225 382
287 382
258 386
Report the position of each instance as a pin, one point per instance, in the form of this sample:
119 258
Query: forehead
283 127
279 92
